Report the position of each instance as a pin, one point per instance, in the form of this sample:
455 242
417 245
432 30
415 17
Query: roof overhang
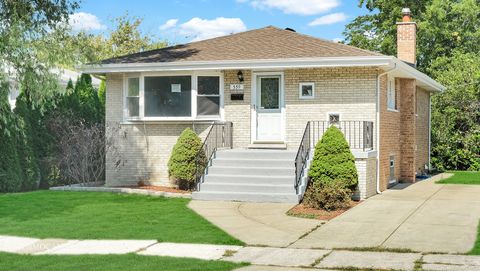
384 62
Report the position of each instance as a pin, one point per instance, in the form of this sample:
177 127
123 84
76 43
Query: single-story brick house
271 93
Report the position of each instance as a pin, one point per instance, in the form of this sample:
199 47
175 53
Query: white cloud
200 29
85 21
337 40
169 24
299 7
329 19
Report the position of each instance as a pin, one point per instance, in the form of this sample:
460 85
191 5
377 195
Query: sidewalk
261 258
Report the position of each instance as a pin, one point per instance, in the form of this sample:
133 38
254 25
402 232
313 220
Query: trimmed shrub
333 161
332 173
181 166
328 196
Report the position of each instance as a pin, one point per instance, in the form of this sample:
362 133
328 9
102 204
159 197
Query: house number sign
236 87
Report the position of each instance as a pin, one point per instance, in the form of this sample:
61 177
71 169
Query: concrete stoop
251 175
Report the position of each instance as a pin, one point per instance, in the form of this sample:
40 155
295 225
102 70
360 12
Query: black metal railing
219 136
359 135
302 155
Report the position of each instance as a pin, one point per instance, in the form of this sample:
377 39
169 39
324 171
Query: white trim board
385 62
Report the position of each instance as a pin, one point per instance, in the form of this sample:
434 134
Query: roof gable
264 43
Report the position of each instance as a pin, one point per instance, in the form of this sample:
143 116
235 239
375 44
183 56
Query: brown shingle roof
264 43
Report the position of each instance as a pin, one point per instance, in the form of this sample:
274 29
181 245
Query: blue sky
183 21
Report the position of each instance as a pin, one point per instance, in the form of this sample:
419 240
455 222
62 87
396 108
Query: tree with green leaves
30 32
456 112
126 37
444 26
448 42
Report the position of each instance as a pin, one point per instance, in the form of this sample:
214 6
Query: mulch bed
303 211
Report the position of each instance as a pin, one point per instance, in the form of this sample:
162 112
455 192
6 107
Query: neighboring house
64 76
279 90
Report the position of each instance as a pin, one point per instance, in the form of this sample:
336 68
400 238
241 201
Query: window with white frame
208 95
133 97
181 96
306 90
391 94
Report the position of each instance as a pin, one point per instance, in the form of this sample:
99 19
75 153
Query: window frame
334 113
300 85
125 97
391 86
219 95
194 93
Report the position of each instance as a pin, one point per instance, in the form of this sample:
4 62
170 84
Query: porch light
240 76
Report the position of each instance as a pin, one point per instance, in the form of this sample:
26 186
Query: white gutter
418 75
378 125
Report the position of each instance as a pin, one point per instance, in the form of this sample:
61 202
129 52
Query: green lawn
463 177
91 215
130 262
476 247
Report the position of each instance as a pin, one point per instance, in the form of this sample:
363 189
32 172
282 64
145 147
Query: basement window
392 169
333 118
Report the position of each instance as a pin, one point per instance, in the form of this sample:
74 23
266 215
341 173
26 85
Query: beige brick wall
238 112
146 147
348 91
367 181
422 132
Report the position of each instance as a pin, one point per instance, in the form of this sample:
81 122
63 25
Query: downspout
429 131
378 125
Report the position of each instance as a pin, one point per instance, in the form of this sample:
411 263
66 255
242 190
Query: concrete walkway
261 258
264 224
424 217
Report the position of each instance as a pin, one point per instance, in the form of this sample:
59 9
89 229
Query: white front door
269 108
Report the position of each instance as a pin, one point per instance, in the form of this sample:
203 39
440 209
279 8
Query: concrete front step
264 171
258 188
229 162
256 154
246 196
250 179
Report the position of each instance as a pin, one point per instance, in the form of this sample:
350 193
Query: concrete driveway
264 224
425 217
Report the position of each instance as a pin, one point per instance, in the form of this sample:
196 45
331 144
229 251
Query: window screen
208 96
168 96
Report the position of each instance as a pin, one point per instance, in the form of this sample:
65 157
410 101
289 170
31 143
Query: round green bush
181 166
333 169
333 160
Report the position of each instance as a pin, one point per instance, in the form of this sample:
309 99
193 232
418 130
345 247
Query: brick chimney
407 38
